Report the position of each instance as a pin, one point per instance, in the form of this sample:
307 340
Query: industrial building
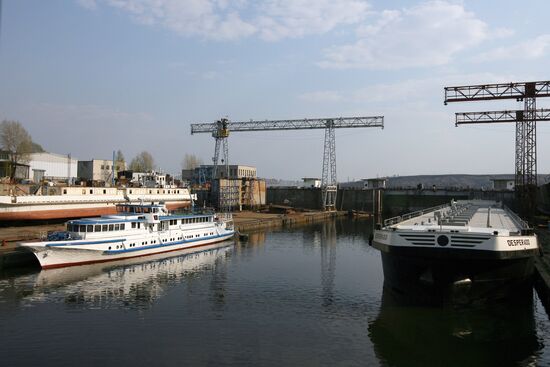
99 170
235 186
204 173
52 166
503 184
21 171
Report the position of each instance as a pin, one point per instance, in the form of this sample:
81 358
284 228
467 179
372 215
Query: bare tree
143 162
17 142
190 161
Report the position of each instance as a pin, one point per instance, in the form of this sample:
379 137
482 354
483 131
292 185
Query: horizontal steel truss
497 91
488 117
303 124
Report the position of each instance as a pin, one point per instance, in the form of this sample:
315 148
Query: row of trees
18 144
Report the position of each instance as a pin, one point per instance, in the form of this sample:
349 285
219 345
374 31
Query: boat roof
480 216
132 217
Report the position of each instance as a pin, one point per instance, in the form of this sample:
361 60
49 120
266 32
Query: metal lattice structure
329 183
220 131
506 116
526 129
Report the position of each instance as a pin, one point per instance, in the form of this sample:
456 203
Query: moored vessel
466 250
78 202
136 230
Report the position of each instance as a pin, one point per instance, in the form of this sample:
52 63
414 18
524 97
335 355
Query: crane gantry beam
489 117
302 124
485 92
220 131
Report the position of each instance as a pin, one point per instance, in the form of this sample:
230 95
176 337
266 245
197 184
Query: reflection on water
134 283
310 296
406 333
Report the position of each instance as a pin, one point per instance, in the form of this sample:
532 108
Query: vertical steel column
530 141
520 150
328 181
216 157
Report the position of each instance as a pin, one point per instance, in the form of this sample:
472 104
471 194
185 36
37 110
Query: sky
87 77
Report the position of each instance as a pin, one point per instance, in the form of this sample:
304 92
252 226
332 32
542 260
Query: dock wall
394 201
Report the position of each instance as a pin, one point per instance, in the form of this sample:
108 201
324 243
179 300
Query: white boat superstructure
136 230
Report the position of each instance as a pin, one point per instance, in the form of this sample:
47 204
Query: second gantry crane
221 128
526 127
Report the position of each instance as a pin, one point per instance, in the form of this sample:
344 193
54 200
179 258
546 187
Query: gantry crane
221 128
526 130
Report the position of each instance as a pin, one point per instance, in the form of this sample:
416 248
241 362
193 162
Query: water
311 296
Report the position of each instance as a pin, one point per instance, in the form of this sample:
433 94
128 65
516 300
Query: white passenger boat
479 244
136 230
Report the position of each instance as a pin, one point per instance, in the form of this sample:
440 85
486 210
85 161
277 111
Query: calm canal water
310 296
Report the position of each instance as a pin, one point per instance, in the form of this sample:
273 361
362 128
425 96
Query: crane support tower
526 128
220 131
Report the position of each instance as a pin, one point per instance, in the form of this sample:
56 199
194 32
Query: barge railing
401 218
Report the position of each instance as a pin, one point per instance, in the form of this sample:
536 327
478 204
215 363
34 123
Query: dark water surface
310 296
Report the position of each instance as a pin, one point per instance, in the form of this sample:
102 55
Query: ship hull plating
436 275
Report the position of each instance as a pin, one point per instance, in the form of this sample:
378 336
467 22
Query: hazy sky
92 76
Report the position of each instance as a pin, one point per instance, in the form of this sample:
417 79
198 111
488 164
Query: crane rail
299 124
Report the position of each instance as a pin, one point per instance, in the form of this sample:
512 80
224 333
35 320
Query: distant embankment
394 201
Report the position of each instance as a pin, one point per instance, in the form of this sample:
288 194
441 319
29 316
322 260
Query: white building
503 184
312 182
52 166
149 179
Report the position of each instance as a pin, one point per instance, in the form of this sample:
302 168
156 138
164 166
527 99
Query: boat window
104 191
111 227
82 229
133 224
65 191
89 228
97 228
139 225
117 227
104 228
122 226
91 191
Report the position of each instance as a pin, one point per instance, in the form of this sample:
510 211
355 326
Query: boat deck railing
520 222
394 220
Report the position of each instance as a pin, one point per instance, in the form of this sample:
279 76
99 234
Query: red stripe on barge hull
63 265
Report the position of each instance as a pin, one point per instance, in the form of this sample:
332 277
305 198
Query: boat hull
58 257
69 211
457 276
